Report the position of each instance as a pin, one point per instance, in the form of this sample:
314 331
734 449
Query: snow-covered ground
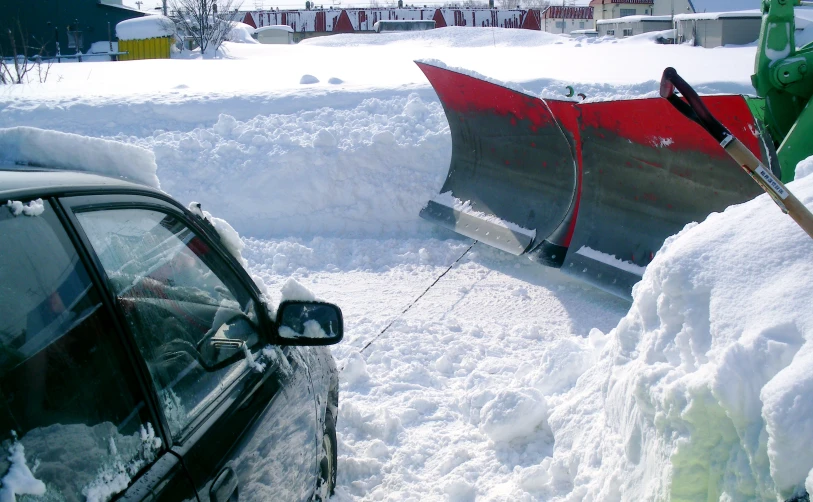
506 380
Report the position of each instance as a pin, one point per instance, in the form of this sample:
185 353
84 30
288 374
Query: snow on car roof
30 146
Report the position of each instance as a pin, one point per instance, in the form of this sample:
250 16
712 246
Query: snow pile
362 171
59 150
19 480
241 33
142 28
703 390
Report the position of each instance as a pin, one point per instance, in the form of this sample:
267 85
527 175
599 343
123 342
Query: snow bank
142 28
59 150
241 33
363 171
703 390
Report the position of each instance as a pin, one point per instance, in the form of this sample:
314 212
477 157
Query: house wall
613 11
741 31
669 7
566 26
711 33
637 27
46 21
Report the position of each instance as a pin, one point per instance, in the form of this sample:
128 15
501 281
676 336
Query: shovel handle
694 109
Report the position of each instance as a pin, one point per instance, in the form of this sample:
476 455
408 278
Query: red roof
559 12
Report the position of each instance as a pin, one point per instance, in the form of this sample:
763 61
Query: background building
75 24
613 9
565 19
632 25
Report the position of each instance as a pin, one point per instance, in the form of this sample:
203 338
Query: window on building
581 25
560 25
611 32
627 12
628 32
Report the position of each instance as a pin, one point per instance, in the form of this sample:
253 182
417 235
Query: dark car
138 360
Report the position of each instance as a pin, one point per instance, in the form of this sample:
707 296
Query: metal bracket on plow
487 232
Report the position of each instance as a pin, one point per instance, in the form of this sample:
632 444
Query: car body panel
265 428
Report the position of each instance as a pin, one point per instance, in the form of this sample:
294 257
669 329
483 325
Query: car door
240 412
75 421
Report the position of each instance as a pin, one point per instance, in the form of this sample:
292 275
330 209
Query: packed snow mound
706 382
59 150
360 172
142 28
450 36
241 33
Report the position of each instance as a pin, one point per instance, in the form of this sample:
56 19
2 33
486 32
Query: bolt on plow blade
592 188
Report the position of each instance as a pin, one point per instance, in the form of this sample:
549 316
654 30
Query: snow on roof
634 19
280 27
720 15
701 6
146 27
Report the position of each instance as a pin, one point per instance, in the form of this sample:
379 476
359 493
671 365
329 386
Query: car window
192 319
73 422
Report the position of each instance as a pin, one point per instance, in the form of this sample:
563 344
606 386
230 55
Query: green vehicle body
783 77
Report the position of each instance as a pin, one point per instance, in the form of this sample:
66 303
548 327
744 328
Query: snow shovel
694 109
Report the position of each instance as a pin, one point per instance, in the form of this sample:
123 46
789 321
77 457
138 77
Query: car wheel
327 463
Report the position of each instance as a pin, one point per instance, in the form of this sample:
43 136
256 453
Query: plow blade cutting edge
591 188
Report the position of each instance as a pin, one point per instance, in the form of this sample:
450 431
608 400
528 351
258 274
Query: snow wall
703 391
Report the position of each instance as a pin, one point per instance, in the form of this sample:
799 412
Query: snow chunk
59 150
513 414
19 480
324 139
142 28
308 79
295 291
804 168
33 208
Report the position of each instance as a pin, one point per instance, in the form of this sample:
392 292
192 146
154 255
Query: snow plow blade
591 188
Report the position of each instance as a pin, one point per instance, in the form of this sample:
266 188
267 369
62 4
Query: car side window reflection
192 320
73 422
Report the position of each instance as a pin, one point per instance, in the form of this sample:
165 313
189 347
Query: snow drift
703 390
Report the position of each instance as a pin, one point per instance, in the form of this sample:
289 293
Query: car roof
24 181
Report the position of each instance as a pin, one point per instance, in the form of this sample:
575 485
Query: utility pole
164 7
139 2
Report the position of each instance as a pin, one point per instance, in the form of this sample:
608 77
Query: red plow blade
592 188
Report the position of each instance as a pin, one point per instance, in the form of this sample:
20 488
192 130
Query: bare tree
22 59
14 69
207 22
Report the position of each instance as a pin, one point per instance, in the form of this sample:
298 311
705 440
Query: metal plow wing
592 188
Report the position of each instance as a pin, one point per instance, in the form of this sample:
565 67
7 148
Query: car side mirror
309 323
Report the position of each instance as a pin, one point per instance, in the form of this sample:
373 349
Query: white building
566 19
